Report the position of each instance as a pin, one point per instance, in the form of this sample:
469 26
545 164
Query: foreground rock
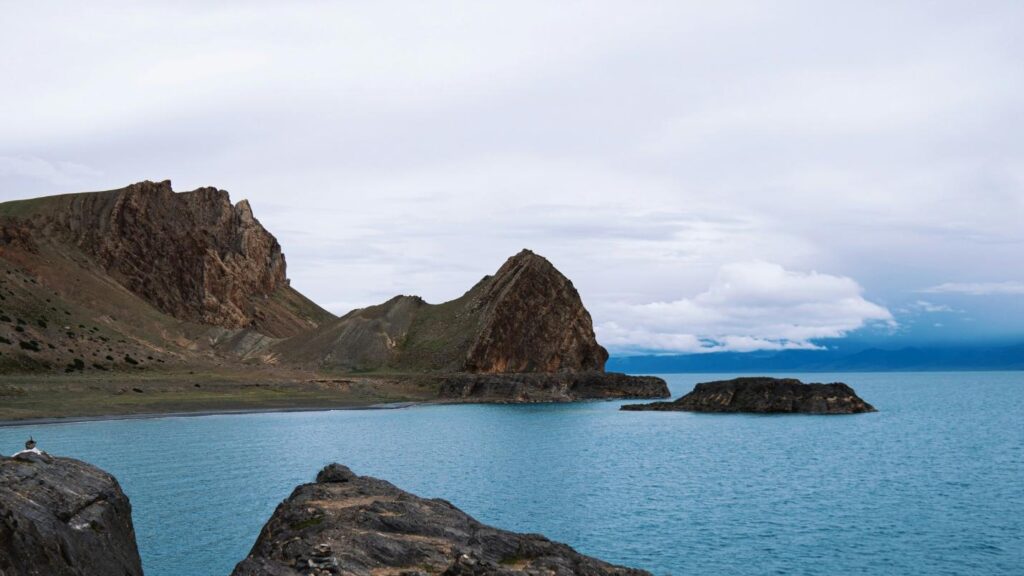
563 387
60 516
765 395
349 524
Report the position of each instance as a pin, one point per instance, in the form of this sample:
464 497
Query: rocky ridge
521 335
349 524
145 278
63 517
764 395
141 277
527 317
193 255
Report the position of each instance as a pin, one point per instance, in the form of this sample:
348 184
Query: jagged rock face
60 517
541 387
349 524
765 395
534 321
193 255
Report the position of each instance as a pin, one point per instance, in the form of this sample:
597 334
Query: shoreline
197 413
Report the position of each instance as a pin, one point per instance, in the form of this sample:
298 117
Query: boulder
60 516
349 524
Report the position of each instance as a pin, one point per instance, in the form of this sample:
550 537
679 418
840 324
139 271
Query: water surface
931 484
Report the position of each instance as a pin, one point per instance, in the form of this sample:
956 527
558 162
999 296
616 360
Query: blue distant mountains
1009 357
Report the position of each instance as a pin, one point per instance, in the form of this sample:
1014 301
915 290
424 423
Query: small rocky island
764 395
63 517
349 524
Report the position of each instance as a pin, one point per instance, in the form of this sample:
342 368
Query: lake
931 484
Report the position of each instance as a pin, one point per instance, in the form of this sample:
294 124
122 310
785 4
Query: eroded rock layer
63 517
349 524
765 395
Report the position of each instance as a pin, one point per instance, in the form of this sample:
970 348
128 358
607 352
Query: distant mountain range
1008 357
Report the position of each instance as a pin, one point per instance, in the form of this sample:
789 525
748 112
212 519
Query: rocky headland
349 524
764 395
520 335
143 300
63 517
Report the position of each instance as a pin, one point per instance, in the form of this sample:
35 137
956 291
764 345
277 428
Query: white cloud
749 306
977 288
926 306
56 173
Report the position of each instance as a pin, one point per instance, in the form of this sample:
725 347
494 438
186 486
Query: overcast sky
711 175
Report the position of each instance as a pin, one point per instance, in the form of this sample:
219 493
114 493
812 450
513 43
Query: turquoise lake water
931 484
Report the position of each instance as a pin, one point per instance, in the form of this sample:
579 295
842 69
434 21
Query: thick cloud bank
749 306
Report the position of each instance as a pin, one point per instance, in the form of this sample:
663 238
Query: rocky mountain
140 276
527 317
63 517
349 524
147 279
764 395
521 335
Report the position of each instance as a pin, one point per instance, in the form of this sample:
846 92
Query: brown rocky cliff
193 255
533 321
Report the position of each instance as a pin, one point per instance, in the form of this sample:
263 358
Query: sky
711 175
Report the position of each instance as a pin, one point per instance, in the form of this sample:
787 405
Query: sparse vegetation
30 345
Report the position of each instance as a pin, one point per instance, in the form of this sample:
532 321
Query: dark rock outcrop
765 395
60 517
349 524
541 387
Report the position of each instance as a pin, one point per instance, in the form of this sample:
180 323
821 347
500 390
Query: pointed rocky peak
526 266
533 320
